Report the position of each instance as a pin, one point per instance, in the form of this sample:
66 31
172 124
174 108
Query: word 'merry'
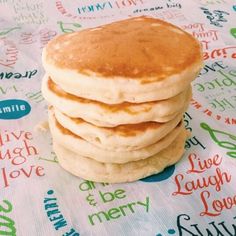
55 216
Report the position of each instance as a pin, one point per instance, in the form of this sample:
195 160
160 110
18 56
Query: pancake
120 138
78 145
135 60
101 114
90 169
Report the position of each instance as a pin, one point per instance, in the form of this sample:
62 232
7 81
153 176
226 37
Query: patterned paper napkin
195 197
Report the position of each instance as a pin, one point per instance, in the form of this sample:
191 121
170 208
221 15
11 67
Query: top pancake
131 58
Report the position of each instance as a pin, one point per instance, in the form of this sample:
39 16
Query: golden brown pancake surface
139 48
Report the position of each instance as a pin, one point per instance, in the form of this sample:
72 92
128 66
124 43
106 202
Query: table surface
197 196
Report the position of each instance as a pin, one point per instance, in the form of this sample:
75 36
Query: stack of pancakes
117 94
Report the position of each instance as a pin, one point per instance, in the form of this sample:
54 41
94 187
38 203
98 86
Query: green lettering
212 86
200 88
122 211
106 196
228 82
7 30
112 213
119 192
100 216
217 82
224 74
14 87
145 204
233 73
219 140
87 185
130 206
9 223
7 208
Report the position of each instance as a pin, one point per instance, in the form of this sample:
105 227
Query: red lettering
217 204
31 150
204 196
206 55
39 171
215 207
191 159
187 187
208 112
4 175
198 166
179 178
227 120
27 173
28 135
17 136
222 177
14 174
195 104
217 160
10 53
24 171
218 117
233 121
7 155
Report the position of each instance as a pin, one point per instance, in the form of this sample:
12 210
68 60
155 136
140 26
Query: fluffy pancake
101 114
119 138
90 169
78 145
135 60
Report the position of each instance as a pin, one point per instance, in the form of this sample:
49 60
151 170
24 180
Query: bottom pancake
92 170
